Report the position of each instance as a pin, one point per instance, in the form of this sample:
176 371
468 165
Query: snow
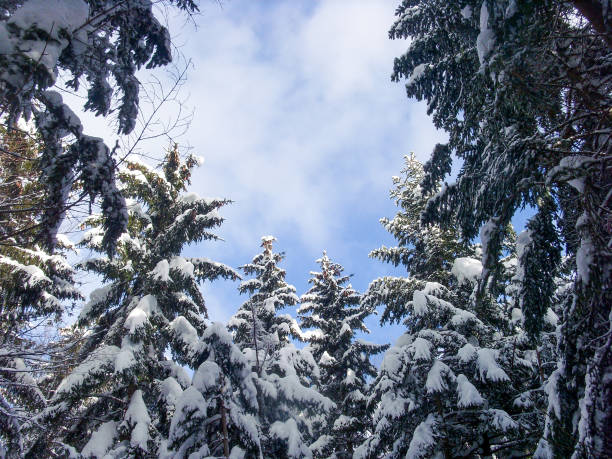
486 38
170 390
125 358
584 257
543 451
551 317
138 416
466 12
237 453
435 378
95 364
63 240
419 303
101 441
517 316
34 275
182 265
189 404
403 340
467 269
488 367
501 420
137 317
421 349
554 404
58 18
467 394
462 316
186 332
288 431
346 328
207 376
326 359
161 271
417 73
422 439
350 379
189 198
96 297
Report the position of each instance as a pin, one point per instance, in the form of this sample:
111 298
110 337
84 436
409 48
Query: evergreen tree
217 415
36 288
332 307
462 380
100 43
118 400
522 90
284 374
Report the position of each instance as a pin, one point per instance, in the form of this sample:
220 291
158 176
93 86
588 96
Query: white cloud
301 126
296 114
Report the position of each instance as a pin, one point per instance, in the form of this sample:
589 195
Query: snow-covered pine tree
99 43
36 288
332 308
460 382
118 400
217 415
287 401
522 90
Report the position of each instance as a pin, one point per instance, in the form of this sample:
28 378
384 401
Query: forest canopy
506 343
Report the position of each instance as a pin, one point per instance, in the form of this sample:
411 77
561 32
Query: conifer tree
36 288
332 307
284 374
217 414
100 44
462 380
118 400
522 90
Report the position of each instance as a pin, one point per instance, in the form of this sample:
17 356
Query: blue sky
300 125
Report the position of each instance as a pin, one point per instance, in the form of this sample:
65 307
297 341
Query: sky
301 127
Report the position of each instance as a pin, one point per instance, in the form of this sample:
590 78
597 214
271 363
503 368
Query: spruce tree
287 402
99 44
521 88
462 380
37 287
118 400
217 415
332 308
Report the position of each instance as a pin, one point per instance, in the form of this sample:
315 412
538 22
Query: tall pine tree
332 308
287 400
461 381
522 90
117 400
216 415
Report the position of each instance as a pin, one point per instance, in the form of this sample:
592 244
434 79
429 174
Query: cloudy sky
300 125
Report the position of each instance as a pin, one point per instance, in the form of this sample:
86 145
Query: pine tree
36 288
284 374
217 415
99 43
332 307
118 400
462 380
521 88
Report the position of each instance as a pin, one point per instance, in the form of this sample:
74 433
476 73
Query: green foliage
150 304
332 308
522 90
